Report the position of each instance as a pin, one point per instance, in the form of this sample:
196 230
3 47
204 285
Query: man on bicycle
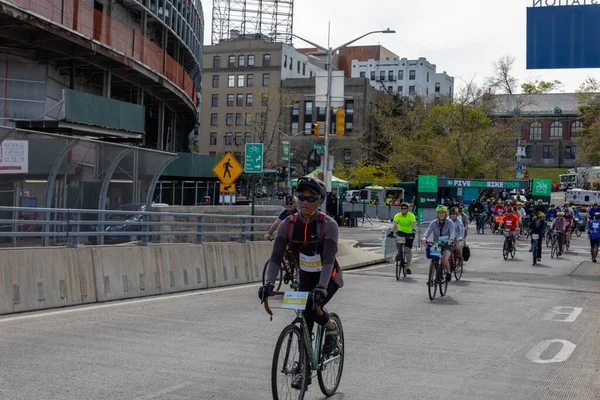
551 213
594 235
592 211
313 239
540 207
405 224
459 233
443 228
511 222
570 220
290 209
538 226
559 225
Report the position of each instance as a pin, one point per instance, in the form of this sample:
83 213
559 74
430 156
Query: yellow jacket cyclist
405 224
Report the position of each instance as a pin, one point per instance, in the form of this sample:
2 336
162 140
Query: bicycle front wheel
278 280
290 366
432 282
578 232
505 249
399 263
330 374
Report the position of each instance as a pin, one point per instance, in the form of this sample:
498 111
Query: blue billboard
563 37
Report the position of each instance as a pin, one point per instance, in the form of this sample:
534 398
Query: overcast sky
462 37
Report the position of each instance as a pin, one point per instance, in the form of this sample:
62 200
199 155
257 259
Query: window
229 119
216 62
240 80
215 82
321 112
347 154
372 75
294 128
284 61
412 75
291 63
535 131
247 137
576 128
382 75
264 100
215 100
303 69
213 138
266 78
241 61
390 75
548 152
349 115
349 107
249 100
248 119
266 60
295 109
212 153
240 100
214 118
400 90
251 61
228 139
411 90
363 74
556 130
390 89
298 66
231 81
437 87
428 77
231 62
307 127
308 108
250 80
238 138
528 151
238 119
400 75
237 155
569 152
230 100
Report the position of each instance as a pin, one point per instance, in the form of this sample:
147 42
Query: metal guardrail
68 226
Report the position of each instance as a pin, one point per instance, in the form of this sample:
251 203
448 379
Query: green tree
540 87
377 174
588 145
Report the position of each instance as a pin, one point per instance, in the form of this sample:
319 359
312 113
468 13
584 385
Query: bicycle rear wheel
290 360
458 270
432 282
505 249
441 278
578 232
278 280
330 375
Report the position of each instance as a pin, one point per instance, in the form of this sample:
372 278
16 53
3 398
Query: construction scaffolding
252 19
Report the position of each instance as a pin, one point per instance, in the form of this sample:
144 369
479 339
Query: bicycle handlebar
268 309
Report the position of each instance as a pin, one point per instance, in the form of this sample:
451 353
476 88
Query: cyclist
593 210
540 206
551 213
569 219
313 239
459 233
559 225
405 224
538 226
442 227
499 208
511 222
594 235
567 206
465 220
290 209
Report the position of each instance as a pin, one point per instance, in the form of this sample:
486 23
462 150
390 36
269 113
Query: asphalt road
500 333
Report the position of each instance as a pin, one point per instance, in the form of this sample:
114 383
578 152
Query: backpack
466 253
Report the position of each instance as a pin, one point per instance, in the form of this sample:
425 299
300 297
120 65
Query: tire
547 240
553 251
287 334
331 388
578 232
277 283
441 272
458 270
513 251
505 249
432 282
400 263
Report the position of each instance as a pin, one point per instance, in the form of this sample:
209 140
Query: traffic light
316 129
340 122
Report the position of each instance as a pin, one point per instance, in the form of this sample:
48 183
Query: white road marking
164 391
570 313
563 354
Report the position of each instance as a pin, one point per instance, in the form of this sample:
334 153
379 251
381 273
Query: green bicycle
295 360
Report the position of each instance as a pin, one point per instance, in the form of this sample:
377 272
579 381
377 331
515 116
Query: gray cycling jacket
446 230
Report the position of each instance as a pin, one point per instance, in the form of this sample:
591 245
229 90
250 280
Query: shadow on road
337 396
408 280
445 301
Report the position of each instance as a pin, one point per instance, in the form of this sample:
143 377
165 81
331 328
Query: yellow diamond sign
227 188
228 169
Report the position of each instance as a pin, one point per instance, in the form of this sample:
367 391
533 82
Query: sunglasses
309 199
404 208
290 204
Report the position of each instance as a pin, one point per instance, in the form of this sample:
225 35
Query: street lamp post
330 52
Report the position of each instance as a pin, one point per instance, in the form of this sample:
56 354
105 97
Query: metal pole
252 195
289 169
327 123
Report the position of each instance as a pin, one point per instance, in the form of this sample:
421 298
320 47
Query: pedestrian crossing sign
228 169
230 188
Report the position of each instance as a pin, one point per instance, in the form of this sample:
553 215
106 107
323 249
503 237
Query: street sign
319 147
228 169
253 163
526 175
230 188
285 155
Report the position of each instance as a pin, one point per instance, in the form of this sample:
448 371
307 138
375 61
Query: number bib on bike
310 263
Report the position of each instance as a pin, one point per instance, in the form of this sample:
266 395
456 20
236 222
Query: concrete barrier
182 267
227 264
36 279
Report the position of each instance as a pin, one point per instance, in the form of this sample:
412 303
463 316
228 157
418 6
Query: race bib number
508 223
595 226
310 263
295 300
535 236
401 239
443 239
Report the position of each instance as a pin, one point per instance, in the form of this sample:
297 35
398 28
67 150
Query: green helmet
441 209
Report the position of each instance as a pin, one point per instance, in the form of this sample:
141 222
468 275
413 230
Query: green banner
427 184
285 155
484 184
542 187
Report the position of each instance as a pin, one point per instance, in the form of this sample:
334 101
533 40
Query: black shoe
330 344
539 259
448 277
593 260
294 285
408 271
297 381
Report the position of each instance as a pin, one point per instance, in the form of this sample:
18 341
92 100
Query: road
498 334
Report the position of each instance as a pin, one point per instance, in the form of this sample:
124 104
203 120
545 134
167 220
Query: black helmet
311 184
